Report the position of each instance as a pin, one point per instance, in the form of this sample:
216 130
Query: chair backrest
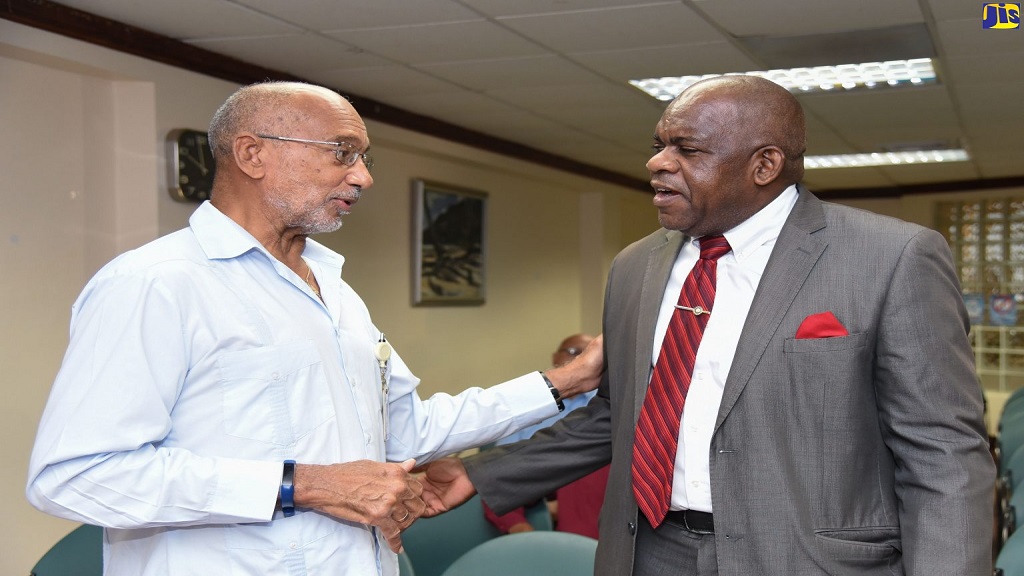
1011 556
405 565
80 553
539 516
538 553
434 543
1011 436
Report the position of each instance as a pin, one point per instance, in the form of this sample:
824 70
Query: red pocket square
821 325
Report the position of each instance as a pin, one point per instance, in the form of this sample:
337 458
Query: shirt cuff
246 490
531 395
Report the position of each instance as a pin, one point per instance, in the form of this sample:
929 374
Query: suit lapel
795 253
659 266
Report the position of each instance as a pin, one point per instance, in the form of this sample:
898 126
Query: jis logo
1002 16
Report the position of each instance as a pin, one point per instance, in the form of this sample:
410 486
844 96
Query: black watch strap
554 393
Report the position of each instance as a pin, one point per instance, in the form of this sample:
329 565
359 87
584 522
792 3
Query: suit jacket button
632 529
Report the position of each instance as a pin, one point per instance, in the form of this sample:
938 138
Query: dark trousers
672 550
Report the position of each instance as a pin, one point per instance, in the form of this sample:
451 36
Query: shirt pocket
274 394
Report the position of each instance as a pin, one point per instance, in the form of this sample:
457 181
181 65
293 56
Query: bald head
724 149
760 113
265 108
570 348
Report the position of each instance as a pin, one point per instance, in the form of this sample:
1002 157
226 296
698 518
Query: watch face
191 162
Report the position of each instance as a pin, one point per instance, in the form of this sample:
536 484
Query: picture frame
449 244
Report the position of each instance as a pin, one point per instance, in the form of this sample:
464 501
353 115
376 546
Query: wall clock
190 160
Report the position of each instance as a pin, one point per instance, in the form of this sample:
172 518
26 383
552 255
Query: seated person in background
575 506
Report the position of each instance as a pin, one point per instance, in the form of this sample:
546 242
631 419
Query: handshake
391 496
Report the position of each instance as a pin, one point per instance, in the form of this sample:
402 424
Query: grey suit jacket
864 454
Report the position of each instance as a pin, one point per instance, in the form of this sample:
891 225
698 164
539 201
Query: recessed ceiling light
870 75
884 159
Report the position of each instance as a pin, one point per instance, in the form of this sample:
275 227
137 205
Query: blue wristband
287 494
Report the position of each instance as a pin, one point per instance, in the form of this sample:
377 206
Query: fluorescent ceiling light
894 73
884 159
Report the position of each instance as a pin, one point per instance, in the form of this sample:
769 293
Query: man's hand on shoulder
583 373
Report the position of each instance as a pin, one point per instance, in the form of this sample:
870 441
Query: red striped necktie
657 431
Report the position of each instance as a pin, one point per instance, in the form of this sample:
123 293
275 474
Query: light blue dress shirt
196 365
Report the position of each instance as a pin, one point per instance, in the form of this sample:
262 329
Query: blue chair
434 543
1013 466
80 553
1014 404
1011 556
405 565
539 516
529 554
1011 437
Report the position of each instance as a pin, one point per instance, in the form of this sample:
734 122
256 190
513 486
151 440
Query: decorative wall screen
987 241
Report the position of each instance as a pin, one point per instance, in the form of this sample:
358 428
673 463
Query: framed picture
449 244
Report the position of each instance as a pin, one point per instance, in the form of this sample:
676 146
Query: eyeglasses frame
339 149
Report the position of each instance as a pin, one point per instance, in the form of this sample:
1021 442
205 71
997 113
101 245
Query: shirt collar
222 238
761 228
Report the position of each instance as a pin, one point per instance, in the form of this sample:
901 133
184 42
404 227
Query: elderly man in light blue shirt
221 409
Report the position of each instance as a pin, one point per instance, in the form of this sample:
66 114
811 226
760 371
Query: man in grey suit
833 423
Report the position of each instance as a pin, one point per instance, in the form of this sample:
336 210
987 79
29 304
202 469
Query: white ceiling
552 74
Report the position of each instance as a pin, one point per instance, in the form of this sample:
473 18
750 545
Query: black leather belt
693 520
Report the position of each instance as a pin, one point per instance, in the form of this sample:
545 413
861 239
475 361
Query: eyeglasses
346 153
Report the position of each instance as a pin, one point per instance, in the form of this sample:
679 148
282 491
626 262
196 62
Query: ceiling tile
447 42
932 172
381 83
671 60
799 17
335 15
967 38
822 139
449 107
632 128
496 74
296 53
879 139
990 160
571 101
838 178
984 69
498 8
955 9
992 106
850 112
186 19
883 44
614 28
997 143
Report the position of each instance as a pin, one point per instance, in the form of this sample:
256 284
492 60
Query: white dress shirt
739 273
196 365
